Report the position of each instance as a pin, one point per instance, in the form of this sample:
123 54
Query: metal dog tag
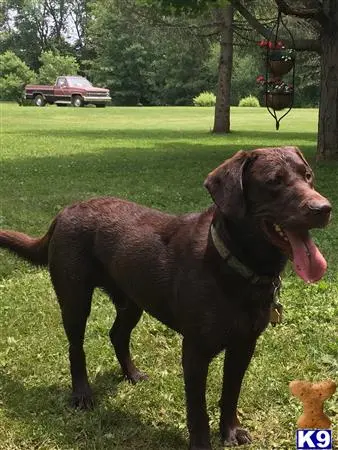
276 311
276 314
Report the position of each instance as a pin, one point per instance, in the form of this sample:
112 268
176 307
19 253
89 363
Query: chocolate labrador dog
210 276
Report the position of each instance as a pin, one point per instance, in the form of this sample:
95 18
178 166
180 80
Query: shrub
54 65
14 74
249 101
205 99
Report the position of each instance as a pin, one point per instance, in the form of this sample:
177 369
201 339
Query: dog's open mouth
308 262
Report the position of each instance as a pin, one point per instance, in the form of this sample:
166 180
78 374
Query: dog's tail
34 250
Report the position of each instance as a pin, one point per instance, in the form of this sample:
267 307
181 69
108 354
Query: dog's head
274 187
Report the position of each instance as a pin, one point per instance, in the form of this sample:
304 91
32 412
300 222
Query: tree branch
255 24
300 44
303 13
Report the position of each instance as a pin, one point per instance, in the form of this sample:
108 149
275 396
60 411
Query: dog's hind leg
127 316
74 292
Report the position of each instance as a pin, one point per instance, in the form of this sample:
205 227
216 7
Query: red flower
279 44
263 43
260 79
270 44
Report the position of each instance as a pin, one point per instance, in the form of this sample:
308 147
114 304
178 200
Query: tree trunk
327 147
222 108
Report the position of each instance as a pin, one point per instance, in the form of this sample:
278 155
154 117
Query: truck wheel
39 100
77 101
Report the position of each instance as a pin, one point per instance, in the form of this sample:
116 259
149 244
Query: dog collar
235 264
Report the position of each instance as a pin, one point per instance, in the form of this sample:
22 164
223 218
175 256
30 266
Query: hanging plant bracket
279 61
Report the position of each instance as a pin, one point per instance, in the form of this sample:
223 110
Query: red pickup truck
68 90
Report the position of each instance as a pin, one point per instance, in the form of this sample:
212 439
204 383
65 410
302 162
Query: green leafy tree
245 71
53 65
181 70
29 27
144 60
14 75
123 48
212 19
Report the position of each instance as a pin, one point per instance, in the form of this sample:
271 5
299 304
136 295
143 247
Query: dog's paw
82 400
136 376
236 436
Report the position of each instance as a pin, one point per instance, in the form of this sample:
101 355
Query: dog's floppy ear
225 185
300 154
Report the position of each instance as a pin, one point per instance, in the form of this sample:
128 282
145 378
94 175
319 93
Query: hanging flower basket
279 59
278 101
278 93
280 67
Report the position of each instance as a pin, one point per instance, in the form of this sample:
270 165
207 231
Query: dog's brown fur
168 266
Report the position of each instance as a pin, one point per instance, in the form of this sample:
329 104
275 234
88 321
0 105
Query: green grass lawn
50 157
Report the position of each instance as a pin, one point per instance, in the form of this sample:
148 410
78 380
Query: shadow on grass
164 134
169 178
43 410
107 170
167 158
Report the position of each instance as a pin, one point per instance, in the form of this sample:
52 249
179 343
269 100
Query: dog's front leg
237 359
195 367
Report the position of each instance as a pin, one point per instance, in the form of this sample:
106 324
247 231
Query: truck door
60 90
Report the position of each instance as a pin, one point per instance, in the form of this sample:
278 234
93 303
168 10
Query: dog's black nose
320 207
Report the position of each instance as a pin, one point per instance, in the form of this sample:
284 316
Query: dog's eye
308 176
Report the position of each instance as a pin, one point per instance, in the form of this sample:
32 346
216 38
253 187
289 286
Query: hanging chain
272 110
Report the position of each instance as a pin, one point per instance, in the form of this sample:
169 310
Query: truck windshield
78 82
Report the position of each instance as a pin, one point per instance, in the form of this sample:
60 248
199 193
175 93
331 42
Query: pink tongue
308 263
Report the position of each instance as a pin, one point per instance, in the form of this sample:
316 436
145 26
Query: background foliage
148 52
53 65
14 74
